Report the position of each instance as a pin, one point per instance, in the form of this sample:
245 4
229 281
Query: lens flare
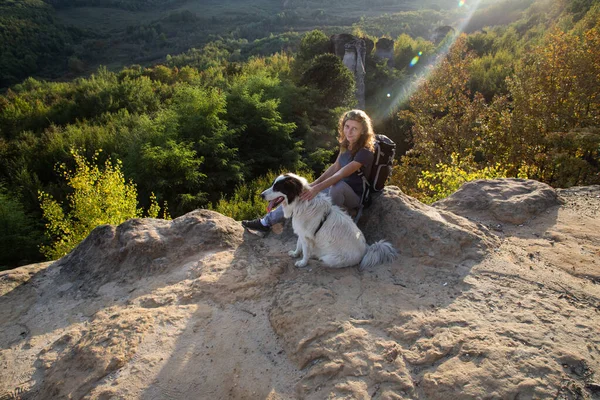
405 89
415 59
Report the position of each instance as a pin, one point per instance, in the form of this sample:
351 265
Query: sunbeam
405 91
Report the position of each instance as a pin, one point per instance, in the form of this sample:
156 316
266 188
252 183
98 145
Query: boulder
511 201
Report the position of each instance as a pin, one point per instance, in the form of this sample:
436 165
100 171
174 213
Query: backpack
381 169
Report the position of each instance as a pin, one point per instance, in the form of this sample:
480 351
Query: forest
158 133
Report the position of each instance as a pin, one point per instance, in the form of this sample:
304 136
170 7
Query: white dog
324 230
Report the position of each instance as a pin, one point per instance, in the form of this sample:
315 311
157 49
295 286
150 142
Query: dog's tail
378 253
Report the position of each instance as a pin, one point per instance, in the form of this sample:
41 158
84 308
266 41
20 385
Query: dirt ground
496 295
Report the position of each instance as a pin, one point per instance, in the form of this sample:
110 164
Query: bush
246 203
450 177
98 197
19 234
333 79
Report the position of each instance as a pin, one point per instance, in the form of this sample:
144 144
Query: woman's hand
309 194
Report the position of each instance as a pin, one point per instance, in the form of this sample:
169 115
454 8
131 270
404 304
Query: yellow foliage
448 178
98 197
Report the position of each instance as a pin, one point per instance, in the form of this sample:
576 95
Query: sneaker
256 225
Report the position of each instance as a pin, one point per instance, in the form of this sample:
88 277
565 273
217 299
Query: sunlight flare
407 90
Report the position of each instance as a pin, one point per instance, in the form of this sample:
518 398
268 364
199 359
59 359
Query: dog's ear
292 188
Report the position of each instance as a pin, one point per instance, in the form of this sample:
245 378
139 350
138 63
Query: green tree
99 197
19 234
489 73
200 119
334 82
313 43
173 171
265 140
411 54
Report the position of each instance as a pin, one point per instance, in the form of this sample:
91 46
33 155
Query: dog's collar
322 222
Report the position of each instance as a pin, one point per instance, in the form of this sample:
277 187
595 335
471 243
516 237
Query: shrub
98 197
19 234
449 178
246 203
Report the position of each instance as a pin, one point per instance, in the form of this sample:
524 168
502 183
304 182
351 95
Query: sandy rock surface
496 295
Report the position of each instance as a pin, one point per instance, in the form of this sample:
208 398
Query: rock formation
354 59
353 51
384 50
505 200
495 295
338 43
440 33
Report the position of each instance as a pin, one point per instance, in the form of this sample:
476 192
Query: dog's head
286 188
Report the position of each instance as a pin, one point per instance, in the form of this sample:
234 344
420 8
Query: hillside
495 295
58 39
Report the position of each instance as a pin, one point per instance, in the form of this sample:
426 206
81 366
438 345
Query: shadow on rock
345 329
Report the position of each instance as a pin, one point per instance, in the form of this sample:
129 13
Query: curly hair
367 136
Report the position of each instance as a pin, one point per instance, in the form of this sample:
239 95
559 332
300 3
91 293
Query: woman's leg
342 195
264 224
273 217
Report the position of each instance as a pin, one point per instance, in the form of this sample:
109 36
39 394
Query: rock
144 247
511 201
440 33
352 51
384 50
339 42
418 230
199 307
354 60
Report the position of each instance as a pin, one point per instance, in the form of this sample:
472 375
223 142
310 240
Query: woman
341 179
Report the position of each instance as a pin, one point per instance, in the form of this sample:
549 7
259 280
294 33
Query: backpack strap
364 199
366 192
366 185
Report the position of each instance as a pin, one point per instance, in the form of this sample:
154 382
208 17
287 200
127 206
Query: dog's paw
301 264
294 253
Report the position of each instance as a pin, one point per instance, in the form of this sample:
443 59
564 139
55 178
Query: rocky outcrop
354 59
338 43
353 52
384 50
199 308
511 201
443 237
440 33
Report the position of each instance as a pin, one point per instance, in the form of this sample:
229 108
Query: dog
324 230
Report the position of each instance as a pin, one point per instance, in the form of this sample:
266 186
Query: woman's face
352 131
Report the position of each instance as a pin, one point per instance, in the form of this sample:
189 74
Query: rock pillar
384 50
354 60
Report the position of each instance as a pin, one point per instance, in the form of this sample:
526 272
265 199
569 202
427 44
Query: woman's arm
317 185
333 168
